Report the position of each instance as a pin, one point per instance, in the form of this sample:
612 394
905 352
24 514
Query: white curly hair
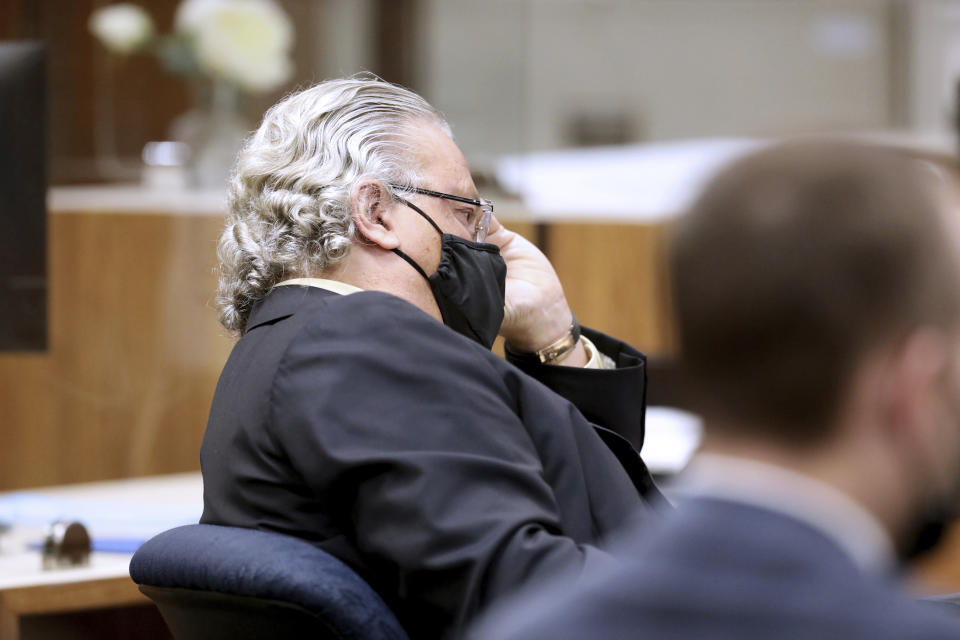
289 196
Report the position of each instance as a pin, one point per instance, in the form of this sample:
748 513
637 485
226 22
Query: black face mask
469 284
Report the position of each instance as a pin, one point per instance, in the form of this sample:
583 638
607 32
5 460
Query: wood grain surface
135 347
613 275
134 353
87 595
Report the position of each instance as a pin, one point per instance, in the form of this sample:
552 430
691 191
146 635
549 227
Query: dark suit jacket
717 569
444 475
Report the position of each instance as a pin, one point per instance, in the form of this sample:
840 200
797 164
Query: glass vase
215 130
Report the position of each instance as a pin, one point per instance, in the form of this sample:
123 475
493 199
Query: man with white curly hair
362 409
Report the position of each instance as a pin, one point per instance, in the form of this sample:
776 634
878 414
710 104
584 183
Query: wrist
559 350
576 357
534 328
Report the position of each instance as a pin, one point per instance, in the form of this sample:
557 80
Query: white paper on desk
642 183
108 518
671 438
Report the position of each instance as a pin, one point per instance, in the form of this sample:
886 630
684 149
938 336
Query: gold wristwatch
552 352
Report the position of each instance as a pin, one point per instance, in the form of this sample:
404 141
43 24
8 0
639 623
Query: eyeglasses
478 219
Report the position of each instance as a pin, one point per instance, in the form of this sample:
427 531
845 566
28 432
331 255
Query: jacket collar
821 506
282 302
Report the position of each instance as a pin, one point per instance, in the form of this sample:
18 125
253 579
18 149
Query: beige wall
933 63
510 74
343 38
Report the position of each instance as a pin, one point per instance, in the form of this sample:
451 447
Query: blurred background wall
523 75
134 348
561 73
134 345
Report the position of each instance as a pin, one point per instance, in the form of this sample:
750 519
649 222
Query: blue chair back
217 582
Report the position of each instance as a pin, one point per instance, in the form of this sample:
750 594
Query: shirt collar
816 503
321 283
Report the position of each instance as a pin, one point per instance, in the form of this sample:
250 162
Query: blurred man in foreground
362 409
817 294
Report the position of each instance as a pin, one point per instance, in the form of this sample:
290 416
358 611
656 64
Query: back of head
794 263
289 199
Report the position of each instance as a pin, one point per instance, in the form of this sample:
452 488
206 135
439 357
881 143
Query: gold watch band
553 352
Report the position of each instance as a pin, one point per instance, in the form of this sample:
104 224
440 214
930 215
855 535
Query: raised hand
536 311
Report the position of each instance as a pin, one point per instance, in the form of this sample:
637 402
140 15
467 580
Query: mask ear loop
433 224
421 212
412 264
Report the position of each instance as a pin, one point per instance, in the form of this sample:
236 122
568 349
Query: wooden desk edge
63 598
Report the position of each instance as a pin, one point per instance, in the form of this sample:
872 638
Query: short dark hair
792 264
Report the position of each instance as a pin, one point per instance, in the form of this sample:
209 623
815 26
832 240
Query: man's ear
913 378
372 210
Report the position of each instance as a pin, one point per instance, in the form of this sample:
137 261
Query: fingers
498 234
494 225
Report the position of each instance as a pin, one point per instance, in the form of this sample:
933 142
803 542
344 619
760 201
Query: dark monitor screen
23 187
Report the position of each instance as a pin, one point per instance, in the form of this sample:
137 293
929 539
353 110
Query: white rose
265 74
192 13
246 42
122 28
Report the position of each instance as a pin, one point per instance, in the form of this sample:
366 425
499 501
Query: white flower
264 74
122 28
192 13
246 42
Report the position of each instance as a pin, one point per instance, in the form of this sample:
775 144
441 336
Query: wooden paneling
22 610
135 351
135 347
613 275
